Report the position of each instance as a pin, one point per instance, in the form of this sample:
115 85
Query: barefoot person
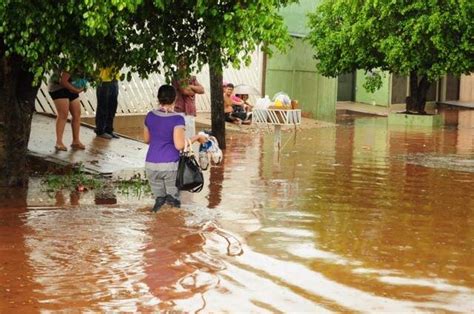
66 99
230 101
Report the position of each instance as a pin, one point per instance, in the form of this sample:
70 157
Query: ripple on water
364 217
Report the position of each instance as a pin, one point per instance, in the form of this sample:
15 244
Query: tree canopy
426 39
48 35
144 36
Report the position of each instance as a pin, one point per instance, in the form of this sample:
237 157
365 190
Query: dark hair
166 94
230 85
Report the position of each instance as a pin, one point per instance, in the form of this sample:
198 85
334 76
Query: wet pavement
121 157
103 156
359 217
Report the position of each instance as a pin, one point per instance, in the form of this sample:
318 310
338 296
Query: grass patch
136 186
75 178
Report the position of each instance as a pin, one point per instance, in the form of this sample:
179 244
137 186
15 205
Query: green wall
381 97
295 73
295 16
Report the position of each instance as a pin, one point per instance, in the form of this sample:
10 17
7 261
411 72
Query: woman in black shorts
66 99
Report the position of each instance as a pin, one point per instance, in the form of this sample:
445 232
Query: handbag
189 177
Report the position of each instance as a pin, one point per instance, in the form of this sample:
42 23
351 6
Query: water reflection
216 179
361 217
18 290
60 199
167 276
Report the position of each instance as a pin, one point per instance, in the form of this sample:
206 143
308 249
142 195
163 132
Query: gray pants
163 183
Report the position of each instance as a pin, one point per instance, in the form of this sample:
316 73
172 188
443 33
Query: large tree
217 33
146 36
41 36
424 40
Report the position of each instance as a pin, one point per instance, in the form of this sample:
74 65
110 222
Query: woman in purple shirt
165 132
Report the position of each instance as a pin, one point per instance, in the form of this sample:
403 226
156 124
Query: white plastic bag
263 103
282 100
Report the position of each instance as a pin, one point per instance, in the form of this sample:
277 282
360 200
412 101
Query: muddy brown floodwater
359 217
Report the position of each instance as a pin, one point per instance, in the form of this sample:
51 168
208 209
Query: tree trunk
423 87
17 98
217 104
418 90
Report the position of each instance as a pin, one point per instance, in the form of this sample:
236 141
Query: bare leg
62 108
75 109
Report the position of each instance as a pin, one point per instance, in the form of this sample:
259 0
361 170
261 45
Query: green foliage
142 35
428 38
75 180
76 35
373 81
136 185
204 32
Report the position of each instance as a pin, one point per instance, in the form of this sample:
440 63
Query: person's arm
248 105
197 87
146 135
178 137
237 101
188 91
64 81
184 89
199 138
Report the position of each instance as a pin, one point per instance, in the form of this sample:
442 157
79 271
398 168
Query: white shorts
190 126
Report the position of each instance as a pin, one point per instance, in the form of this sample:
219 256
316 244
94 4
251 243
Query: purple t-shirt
161 126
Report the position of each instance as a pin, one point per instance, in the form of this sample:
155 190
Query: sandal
60 148
78 146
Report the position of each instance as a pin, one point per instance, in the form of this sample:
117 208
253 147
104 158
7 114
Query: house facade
395 89
294 72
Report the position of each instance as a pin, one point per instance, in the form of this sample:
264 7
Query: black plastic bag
189 177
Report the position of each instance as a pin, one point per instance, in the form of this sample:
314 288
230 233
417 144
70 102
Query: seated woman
241 108
230 101
244 98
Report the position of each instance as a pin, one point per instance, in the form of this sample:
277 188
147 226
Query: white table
277 118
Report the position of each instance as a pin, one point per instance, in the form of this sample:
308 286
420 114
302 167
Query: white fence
277 116
139 96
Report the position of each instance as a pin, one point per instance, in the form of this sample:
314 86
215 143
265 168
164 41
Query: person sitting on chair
244 105
235 115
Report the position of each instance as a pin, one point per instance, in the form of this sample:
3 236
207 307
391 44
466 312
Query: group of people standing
166 129
65 94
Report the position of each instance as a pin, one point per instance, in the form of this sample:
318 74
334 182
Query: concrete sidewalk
122 157
117 157
355 107
203 121
132 125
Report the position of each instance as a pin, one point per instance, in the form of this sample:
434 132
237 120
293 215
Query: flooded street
358 217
